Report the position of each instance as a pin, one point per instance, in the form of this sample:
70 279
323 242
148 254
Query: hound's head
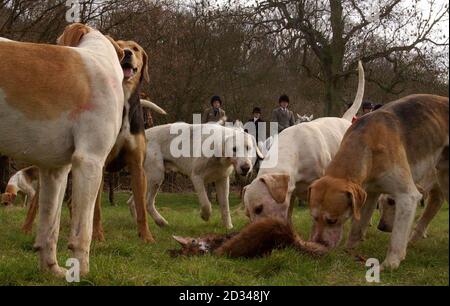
241 150
8 199
304 118
332 202
267 196
134 63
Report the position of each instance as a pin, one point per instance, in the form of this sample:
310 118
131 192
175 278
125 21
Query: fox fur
257 239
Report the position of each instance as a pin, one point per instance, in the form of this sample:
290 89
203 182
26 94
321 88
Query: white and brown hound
23 182
130 147
69 103
382 153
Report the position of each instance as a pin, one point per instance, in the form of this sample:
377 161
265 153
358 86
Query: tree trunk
333 61
333 94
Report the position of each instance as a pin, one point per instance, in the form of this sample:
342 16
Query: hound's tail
153 107
262 237
353 110
222 121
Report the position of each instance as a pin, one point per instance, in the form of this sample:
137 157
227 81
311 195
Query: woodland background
251 52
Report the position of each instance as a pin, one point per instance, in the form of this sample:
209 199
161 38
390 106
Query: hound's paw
229 226
417 235
59 272
390 264
56 271
27 230
205 215
147 238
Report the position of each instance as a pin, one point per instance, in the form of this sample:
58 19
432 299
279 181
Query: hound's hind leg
87 176
52 183
434 204
199 186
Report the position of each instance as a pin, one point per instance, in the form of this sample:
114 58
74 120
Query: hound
69 103
382 153
22 182
130 147
231 149
302 152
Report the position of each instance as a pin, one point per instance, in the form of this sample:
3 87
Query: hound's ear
73 34
238 125
181 240
145 67
119 50
357 197
244 190
277 184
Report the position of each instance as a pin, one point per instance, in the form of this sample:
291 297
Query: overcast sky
423 4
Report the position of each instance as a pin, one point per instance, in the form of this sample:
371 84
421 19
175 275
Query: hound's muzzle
129 69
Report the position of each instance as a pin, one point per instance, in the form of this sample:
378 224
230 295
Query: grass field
124 260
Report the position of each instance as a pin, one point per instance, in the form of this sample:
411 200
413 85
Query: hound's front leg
199 186
359 227
223 191
52 182
153 185
33 199
25 200
87 176
405 209
135 162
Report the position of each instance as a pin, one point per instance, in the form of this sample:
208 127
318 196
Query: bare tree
340 32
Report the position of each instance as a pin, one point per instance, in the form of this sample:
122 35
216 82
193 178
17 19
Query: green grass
124 260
